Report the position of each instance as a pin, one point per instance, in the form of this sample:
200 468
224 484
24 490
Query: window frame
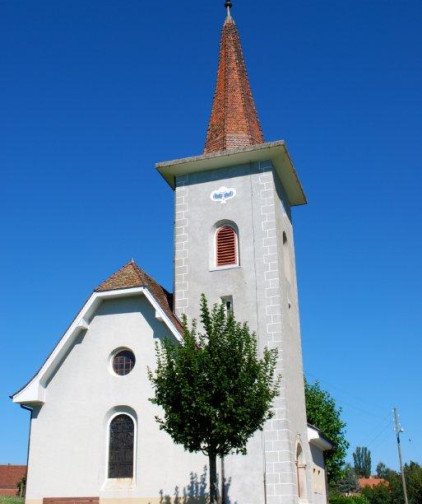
227 300
115 354
128 479
301 483
218 227
111 357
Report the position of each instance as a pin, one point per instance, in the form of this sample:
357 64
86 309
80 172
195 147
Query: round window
123 362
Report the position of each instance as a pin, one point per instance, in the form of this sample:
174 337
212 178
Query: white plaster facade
318 444
69 428
76 394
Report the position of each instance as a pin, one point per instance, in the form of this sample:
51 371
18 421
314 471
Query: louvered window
226 246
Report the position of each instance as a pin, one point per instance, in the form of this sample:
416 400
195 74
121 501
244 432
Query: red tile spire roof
234 121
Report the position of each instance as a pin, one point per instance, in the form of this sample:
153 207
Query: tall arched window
301 473
287 259
120 460
226 246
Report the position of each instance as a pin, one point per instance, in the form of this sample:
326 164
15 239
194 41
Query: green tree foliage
348 499
322 412
21 486
348 483
379 494
214 390
392 491
413 474
382 470
362 460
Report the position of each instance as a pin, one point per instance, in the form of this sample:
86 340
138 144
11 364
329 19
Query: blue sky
92 94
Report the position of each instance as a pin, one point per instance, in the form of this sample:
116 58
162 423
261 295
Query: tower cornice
276 152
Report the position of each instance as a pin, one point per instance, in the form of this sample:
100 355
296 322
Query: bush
348 499
360 499
379 494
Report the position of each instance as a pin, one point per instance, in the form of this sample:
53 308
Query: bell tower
234 242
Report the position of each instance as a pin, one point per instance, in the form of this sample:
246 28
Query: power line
380 442
379 433
358 399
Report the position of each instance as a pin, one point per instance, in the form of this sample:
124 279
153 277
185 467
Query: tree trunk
223 482
213 478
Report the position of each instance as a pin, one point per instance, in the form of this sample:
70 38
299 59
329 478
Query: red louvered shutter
226 246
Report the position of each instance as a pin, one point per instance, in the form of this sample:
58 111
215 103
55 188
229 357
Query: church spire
234 121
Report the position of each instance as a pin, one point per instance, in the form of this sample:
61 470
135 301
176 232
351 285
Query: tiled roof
234 121
370 482
131 275
10 475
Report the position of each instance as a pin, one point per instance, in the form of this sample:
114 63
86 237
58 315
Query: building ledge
276 152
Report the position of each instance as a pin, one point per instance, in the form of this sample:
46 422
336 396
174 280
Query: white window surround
228 303
213 245
222 268
236 243
111 357
302 489
120 483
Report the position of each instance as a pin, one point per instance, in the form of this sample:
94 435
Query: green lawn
11 500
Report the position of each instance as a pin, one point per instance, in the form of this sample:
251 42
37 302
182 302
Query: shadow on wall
195 492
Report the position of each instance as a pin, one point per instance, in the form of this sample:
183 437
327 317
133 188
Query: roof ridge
139 271
113 275
226 83
238 51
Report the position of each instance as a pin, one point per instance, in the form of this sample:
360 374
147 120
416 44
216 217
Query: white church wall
69 433
319 482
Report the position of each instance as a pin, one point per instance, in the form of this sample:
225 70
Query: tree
214 390
21 486
413 474
377 494
391 491
322 412
382 470
348 483
362 461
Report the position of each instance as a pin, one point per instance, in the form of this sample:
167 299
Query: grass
11 500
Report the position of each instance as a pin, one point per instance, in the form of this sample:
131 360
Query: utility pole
398 429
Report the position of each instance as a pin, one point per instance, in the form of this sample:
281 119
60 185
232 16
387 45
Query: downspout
28 408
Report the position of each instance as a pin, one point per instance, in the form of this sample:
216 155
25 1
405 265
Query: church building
93 435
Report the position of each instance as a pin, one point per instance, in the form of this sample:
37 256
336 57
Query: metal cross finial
228 5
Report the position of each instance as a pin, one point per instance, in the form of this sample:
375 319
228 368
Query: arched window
301 473
226 246
287 259
120 460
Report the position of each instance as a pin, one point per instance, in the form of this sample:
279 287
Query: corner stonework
181 241
280 477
